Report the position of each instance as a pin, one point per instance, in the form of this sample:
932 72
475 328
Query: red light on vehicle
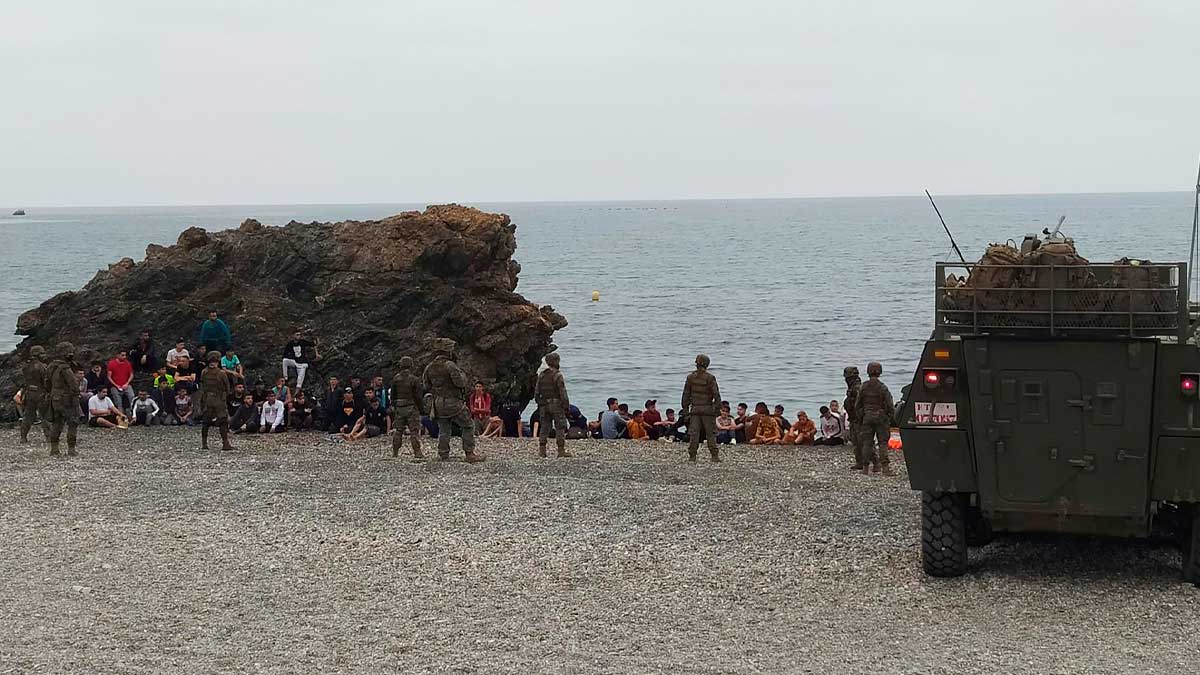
932 379
1188 384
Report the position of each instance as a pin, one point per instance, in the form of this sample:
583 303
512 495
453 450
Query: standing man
296 355
36 391
701 400
550 392
120 379
406 408
214 334
214 394
64 398
448 385
875 411
853 386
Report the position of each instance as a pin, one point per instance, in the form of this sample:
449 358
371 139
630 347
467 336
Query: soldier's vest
402 387
448 399
850 405
63 384
36 378
546 390
874 398
701 399
213 386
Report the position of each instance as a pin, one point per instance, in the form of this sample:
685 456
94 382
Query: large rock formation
366 292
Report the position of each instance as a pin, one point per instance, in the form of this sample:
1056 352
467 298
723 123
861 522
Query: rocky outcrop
367 292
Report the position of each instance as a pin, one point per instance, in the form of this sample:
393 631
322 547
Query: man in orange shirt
637 427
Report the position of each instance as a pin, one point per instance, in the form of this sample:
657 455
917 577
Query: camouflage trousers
852 438
409 418
702 426
552 414
35 406
870 431
64 413
446 425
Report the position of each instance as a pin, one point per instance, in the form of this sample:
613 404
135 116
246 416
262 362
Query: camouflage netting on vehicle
1053 286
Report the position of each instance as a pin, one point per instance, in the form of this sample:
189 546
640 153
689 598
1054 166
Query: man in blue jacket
214 334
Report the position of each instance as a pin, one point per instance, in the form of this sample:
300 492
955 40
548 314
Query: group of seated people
763 427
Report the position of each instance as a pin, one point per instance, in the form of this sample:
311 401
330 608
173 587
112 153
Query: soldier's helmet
65 351
444 346
553 360
38 352
212 356
702 361
406 363
874 369
849 372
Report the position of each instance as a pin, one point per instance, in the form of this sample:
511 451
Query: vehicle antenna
944 226
1195 231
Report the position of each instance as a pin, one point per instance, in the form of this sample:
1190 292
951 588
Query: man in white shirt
832 428
101 411
271 420
179 350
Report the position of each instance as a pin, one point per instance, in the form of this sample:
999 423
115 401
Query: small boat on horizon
19 212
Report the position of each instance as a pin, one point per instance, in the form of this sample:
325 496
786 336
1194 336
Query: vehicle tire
979 528
943 534
1191 549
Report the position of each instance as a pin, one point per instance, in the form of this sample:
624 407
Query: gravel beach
296 554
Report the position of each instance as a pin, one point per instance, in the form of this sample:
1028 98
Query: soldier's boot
226 446
562 450
888 470
473 457
397 439
71 448
54 449
204 437
24 433
416 446
691 455
541 449
716 454
443 456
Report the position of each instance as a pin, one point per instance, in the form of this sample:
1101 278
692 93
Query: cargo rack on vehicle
1042 301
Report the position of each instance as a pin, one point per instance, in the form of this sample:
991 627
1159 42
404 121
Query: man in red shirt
120 377
653 421
481 407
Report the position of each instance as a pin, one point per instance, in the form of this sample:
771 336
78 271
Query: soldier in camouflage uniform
63 406
551 396
701 401
406 408
850 405
213 407
448 385
36 392
875 410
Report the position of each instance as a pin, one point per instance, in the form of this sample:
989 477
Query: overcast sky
159 102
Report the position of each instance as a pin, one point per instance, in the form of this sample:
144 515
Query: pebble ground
296 554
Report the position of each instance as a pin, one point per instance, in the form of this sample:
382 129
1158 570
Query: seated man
327 411
802 431
102 412
177 351
577 424
232 365
346 415
375 421
183 406
740 422
235 398
726 427
245 418
184 373
300 413
510 418
120 381
831 428
636 427
143 354
781 420
272 416
612 425
164 396
480 402
382 391
145 410
677 430
653 420
766 429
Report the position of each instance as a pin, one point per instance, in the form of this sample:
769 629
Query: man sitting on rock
298 353
214 334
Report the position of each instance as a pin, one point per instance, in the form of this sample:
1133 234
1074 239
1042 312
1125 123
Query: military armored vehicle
1055 395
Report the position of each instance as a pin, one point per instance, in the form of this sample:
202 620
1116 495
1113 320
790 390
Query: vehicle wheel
979 528
1191 549
943 534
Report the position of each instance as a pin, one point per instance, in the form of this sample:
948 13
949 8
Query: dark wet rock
367 292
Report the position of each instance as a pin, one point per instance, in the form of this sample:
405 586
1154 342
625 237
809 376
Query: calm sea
780 293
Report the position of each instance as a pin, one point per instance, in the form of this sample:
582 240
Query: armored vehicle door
1064 432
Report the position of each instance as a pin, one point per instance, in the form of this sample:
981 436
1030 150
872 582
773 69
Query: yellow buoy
595 296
